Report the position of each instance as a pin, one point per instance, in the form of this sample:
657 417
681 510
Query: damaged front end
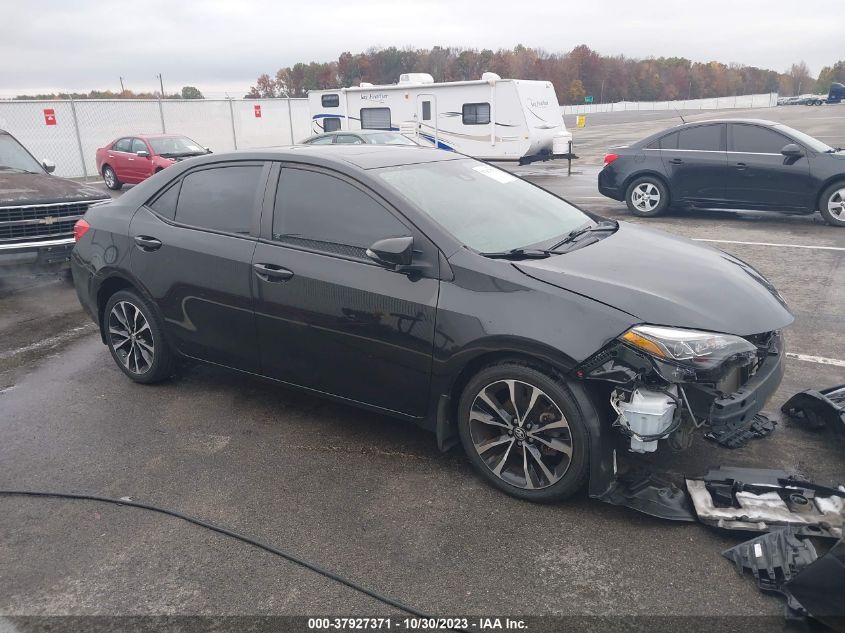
664 384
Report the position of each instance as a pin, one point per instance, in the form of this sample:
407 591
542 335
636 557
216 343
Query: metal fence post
78 138
290 121
161 114
232 119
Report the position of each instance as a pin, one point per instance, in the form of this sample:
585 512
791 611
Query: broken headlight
693 348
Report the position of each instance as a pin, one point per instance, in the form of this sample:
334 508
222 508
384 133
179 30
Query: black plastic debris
738 433
820 588
775 559
650 494
816 409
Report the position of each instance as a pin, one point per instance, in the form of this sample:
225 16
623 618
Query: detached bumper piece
757 500
737 433
817 409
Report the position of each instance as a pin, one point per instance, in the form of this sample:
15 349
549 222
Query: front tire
110 178
135 338
832 204
647 197
524 432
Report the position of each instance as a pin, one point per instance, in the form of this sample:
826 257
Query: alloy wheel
645 197
108 176
520 434
836 204
131 338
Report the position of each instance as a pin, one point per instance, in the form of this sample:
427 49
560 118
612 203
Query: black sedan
432 287
362 137
733 164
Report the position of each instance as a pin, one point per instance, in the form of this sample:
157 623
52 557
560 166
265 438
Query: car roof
651 137
358 132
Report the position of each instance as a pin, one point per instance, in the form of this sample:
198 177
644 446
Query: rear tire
832 204
524 433
135 338
647 197
110 178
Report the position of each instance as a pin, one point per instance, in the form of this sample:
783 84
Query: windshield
485 208
387 138
805 139
14 156
175 146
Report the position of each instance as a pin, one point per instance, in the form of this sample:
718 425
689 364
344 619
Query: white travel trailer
490 118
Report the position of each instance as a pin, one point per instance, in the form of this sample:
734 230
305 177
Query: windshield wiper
604 225
18 169
520 253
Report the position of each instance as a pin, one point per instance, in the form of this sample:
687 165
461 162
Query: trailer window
476 113
331 124
330 101
375 118
426 110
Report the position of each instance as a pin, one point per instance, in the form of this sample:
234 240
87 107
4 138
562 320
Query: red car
132 159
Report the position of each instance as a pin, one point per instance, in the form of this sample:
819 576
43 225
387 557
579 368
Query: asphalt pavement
362 494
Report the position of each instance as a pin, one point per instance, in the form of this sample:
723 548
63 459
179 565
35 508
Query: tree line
575 74
187 92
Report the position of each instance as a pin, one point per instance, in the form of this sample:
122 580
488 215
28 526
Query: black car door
696 162
759 176
193 253
328 317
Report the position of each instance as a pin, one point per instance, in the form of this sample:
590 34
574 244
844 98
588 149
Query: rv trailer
490 118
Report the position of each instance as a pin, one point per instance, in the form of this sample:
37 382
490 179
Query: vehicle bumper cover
37 252
748 400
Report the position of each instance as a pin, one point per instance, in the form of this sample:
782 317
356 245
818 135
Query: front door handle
147 243
741 166
676 161
272 273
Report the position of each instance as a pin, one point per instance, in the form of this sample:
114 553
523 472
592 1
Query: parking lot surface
361 494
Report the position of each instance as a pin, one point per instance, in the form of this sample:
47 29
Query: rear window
220 199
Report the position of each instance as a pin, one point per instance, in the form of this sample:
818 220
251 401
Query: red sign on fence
257 111
49 116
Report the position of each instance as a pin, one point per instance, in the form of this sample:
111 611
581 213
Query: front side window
220 199
330 101
14 156
476 113
703 138
331 124
375 118
138 146
123 145
756 140
316 210
483 207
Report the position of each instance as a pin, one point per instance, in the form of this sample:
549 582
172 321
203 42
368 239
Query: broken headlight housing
702 351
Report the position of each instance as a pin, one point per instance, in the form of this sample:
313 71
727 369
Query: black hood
17 188
666 280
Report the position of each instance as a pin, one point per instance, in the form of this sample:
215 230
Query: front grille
47 221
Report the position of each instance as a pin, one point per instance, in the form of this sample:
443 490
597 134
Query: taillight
609 158
79 229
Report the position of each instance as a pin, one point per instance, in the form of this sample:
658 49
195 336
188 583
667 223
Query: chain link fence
69 132
765 100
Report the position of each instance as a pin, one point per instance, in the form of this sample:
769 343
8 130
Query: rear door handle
147 243
676 161
741 166
272 273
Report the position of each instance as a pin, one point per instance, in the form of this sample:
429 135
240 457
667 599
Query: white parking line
820 248
817 359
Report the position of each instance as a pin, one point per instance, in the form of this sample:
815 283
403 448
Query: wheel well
833 181
103 168
107 289
653 174
158 169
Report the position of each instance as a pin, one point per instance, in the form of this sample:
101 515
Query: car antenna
680 116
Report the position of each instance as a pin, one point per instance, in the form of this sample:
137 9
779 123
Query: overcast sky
221 46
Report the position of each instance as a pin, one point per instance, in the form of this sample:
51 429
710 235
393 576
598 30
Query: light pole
161 84
122 89
601 93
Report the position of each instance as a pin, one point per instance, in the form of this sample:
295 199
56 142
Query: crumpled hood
667 280
18 188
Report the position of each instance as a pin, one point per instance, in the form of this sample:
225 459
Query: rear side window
670 141
475 113
123 145
756 140
319 211
375 118
331 124
165 203
710 138
221 198
330 101
322 140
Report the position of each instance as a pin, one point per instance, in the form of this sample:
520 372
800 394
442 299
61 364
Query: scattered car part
775 559
816 409
737 433
650 494
820 587
759 500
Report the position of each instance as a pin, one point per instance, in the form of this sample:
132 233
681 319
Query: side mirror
792 150
48 165
208 150
142 153
392 252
